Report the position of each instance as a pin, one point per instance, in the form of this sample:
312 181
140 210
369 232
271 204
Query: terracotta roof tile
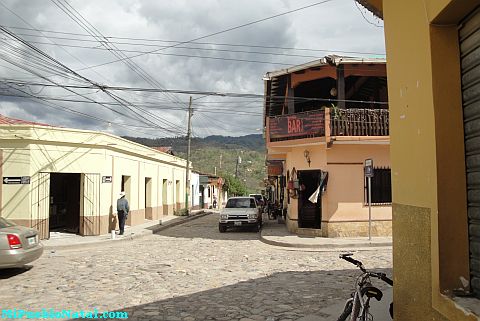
4 120
164 149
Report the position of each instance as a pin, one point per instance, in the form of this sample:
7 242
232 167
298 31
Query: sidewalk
67 240
276 234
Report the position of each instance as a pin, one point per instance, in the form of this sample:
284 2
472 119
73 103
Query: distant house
194 190
211 188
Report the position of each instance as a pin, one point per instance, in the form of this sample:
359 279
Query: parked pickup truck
240 212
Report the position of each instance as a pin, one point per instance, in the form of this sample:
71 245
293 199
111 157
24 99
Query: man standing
122 211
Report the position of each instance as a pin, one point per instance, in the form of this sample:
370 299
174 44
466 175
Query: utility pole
239 161
221 161
187 167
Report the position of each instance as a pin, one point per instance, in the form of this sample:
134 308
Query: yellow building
69 180
433 51
323 119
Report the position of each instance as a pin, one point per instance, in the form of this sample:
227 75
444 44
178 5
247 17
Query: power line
87 26
216 33
78 113
192 42
55 63
183 55
216 110
37 30
198 92
200 48
126 104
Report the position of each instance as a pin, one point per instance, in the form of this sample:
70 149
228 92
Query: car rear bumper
20 257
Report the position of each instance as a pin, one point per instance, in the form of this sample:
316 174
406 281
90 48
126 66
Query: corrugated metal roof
327 60
4 120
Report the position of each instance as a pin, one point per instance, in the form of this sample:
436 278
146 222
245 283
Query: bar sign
16 180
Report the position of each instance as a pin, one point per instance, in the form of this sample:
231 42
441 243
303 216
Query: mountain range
219 154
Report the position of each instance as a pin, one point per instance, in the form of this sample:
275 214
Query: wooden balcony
359 122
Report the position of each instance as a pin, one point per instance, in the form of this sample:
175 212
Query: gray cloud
334 26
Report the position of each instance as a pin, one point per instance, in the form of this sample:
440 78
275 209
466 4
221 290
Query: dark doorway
202 202
309 214
64 202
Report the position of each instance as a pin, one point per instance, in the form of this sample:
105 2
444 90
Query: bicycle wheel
346 311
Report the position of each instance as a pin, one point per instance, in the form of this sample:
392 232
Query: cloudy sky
75 37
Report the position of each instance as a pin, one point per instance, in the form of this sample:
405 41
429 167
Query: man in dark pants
122 211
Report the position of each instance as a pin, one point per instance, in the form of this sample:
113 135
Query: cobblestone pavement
188 272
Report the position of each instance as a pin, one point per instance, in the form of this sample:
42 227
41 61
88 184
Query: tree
233 186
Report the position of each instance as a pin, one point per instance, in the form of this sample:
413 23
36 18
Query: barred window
381 186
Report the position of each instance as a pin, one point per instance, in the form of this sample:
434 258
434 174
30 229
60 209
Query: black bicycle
357 307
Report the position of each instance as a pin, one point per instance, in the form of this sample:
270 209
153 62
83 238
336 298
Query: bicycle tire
346 312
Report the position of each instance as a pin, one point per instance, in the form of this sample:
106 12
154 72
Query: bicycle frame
361 312
358 306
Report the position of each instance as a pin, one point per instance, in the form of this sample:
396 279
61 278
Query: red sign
275 169
311 123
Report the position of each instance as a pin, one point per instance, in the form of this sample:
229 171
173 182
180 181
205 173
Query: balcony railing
359 122
343 122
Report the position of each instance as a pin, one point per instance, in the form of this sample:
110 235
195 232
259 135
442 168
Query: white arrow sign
12 180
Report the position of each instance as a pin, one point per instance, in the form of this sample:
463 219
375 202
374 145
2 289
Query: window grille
381 187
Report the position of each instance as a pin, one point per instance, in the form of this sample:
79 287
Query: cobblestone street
188 272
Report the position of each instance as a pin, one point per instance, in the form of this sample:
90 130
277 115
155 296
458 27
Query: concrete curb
323 246
142 233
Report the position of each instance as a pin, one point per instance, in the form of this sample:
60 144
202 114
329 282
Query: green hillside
220 153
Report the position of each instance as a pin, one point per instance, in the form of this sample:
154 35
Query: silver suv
240 212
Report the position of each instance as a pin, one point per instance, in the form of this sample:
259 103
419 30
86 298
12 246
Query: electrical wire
192 48
112 96
217 33
85 115
62 67
87 26
209 93
187 56
192 42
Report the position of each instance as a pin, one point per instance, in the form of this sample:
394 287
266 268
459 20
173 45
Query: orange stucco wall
345 192
344 199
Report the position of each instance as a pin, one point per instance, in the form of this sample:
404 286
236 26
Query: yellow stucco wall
428 172
29 151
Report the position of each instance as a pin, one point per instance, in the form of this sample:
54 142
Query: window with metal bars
381 187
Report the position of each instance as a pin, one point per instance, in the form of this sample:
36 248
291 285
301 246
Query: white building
67 179
194 190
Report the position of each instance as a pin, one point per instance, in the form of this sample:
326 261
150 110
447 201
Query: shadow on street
284 295
8 273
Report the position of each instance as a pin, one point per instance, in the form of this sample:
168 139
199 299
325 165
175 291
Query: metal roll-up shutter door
469 33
